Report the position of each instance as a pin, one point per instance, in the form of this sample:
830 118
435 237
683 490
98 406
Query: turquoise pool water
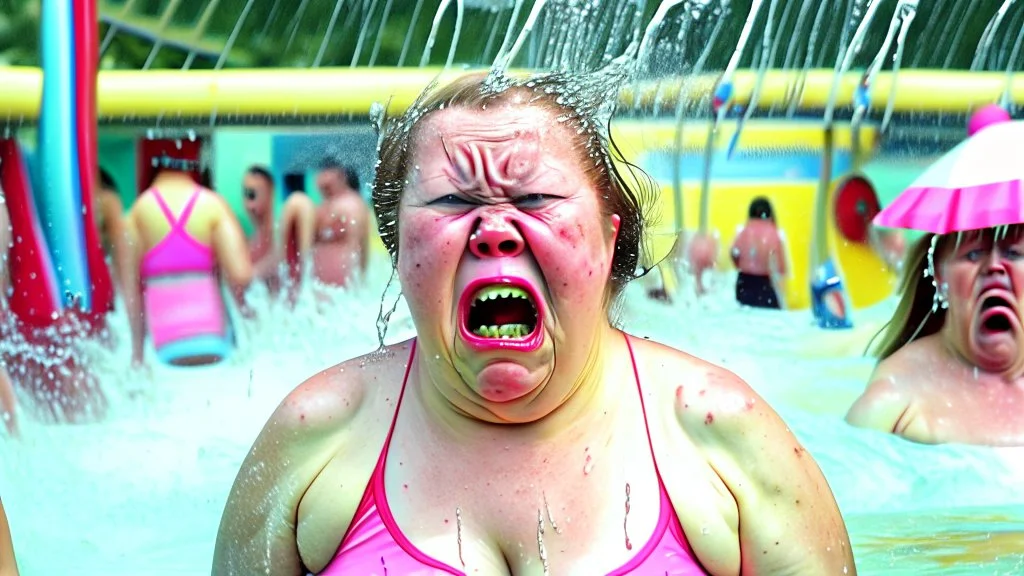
142 492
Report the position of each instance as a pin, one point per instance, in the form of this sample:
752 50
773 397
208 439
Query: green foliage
291 33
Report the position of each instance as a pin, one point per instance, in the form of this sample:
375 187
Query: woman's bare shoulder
710 402
335 396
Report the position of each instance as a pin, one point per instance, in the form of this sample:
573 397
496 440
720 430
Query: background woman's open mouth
996 315
502 311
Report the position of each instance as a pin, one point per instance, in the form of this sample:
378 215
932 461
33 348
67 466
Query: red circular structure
856 204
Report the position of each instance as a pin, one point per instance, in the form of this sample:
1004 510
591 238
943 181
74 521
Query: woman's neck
561 403
954 346
168 176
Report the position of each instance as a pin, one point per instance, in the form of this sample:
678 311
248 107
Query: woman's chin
996 352
504 381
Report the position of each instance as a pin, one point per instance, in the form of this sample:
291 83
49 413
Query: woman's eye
534 199
450 200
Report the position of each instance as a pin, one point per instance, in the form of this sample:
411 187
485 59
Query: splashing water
141 491
150 481
625 521
541 549
458 533
551 519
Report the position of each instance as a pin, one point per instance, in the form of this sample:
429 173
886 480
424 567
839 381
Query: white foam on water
142 492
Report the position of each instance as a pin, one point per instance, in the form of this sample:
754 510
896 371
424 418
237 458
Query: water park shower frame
68 99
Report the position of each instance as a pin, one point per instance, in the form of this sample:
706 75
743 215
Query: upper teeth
493 292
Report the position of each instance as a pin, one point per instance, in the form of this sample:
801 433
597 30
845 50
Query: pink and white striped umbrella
979 184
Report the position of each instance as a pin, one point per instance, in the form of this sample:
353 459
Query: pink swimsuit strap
178 252
374 545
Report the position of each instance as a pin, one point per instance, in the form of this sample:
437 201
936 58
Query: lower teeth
503 331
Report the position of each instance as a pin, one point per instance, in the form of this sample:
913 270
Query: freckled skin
485 175
960 384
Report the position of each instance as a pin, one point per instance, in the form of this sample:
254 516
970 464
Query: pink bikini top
178 252
374 545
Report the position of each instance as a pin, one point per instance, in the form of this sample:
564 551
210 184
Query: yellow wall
865 275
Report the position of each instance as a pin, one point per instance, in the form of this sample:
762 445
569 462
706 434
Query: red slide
33 300
86 61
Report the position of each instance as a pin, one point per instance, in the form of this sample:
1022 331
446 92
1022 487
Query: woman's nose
995 264
496 237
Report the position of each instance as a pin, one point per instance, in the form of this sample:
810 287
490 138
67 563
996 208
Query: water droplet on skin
551 519
458 531
588 465
540 542
625 532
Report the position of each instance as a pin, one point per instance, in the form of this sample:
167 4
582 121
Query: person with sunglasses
285 243
258 199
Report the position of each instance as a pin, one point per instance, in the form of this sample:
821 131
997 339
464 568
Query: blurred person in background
288 241
342 225
185 240
108 212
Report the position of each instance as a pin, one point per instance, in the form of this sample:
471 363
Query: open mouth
502 311
995 314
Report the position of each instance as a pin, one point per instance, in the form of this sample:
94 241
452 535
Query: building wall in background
117 156
233 152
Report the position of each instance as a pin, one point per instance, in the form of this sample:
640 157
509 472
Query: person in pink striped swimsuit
520 432
184 238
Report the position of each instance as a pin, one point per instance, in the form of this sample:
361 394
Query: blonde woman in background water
951 360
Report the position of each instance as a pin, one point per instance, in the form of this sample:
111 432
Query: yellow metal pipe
325 91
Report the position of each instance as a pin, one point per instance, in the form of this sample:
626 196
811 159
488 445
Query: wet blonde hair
914 316
573 107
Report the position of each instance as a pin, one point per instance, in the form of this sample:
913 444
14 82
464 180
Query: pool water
142 492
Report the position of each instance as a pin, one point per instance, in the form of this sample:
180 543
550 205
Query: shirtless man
342 226
759 255
7 399
288 241
955 374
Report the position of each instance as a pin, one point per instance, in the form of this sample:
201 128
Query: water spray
723 98
829 300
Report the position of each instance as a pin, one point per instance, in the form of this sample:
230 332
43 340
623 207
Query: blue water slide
58 196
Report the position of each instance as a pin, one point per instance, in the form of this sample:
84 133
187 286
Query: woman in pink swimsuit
184 236
951 360
520 432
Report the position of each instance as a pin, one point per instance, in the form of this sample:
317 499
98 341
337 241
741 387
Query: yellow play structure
791 194
207 98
